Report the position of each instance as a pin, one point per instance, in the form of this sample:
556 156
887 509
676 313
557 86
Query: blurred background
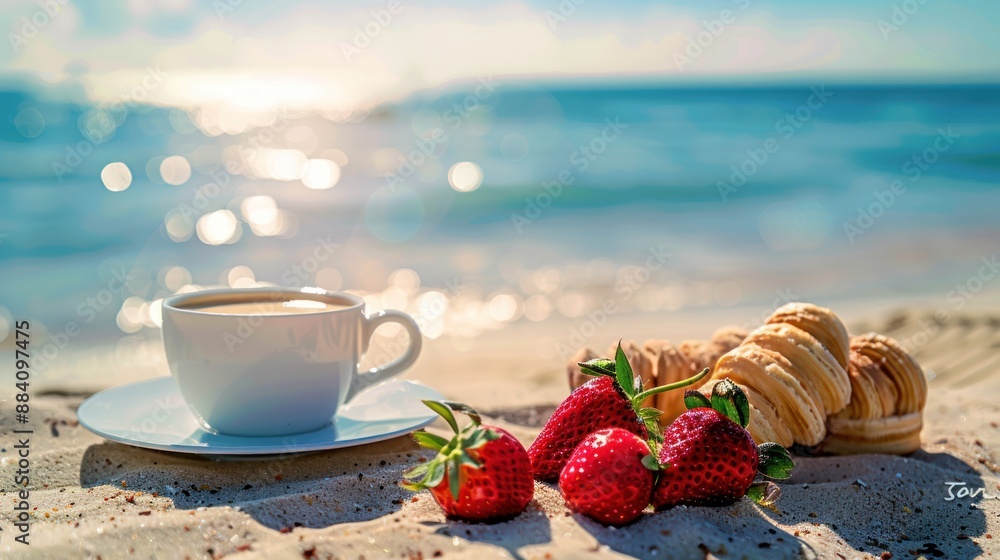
522 177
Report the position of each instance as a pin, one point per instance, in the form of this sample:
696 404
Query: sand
93 498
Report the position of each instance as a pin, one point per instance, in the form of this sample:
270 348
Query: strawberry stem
664 388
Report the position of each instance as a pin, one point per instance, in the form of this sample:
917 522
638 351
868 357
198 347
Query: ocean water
688 198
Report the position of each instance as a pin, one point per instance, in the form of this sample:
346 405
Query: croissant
889 391
792 365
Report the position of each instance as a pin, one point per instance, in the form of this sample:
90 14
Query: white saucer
152 414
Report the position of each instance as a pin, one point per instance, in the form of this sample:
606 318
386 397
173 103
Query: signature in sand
965 492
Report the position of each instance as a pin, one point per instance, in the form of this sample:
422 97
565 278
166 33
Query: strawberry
709 458
482 474
608 477
610 401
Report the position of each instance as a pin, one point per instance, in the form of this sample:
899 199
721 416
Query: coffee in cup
274 361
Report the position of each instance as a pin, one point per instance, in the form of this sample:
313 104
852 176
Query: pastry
889 391
818 321
770 375
813 363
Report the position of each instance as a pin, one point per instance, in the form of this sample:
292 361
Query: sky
266 53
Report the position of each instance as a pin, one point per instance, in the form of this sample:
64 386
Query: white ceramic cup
263 374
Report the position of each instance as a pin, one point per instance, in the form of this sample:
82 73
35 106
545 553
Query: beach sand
97 499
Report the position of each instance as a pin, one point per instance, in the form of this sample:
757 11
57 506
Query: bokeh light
29 122
284 165
99 125
241 276
175 170
320 174
503 307
173 277
217 228
181 121
153 169
465 176
259 210
405 279
179 225
116 176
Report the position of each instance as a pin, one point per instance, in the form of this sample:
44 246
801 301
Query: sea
484 203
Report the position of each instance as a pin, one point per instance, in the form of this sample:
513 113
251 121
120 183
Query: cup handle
378 374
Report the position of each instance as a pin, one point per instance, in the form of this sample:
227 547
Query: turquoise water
827 191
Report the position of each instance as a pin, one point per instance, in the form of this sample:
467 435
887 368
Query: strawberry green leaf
649 413
650 463
429 440
434 476
465 409
432 473
479 438
454 484
775 462
765 494
729 399
444 411
417 471
598 366
623 371
467 460
653 429
694 399
651 419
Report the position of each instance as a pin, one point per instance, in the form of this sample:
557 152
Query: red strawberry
482 474
610 401
707 455
607 478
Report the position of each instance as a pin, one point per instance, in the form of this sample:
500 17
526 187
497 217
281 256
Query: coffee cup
274 361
